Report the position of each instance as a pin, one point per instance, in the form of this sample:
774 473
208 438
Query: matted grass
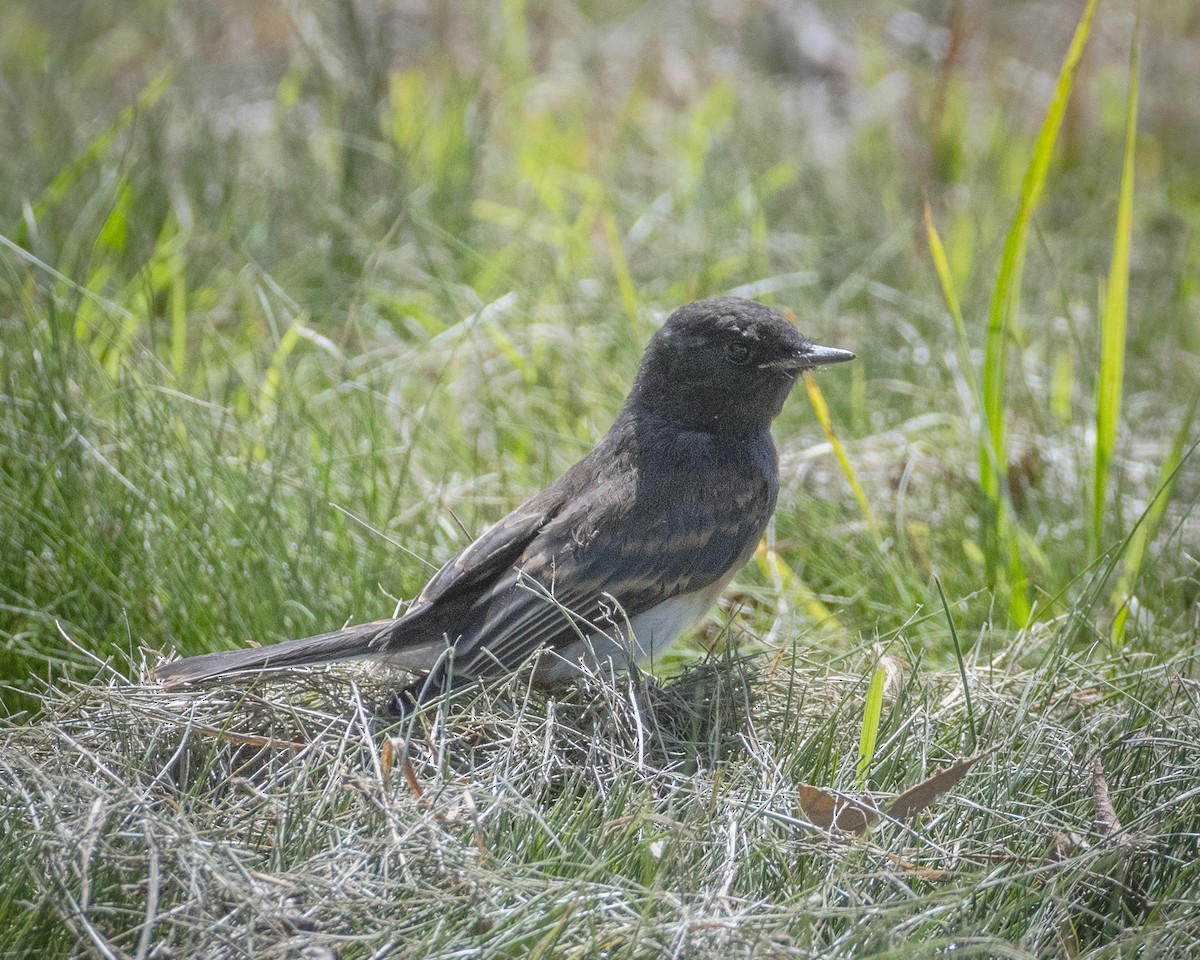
625 820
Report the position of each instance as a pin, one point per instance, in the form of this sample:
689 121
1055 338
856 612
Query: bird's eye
737 353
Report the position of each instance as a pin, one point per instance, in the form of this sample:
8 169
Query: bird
629 548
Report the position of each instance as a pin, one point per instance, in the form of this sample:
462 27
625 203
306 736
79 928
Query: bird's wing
606 556
487 558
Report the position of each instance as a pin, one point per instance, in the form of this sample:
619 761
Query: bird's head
725 365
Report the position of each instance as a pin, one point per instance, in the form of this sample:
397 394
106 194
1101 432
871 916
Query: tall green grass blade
1005 301
941 265
1019 609
1007 293
1018 604
1114 314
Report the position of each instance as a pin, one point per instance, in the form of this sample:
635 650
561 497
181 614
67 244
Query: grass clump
626 819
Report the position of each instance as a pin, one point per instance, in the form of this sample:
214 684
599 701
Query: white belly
653 631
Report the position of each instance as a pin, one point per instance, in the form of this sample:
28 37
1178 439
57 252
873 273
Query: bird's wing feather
489 557
604 559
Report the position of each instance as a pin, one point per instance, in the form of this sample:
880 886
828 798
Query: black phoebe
627 549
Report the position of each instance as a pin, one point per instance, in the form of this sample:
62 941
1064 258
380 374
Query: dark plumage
628 548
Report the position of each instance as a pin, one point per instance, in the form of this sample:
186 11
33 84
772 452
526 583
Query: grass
628 821
281 330
1000 538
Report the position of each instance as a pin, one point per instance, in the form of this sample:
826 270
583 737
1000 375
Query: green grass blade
998 525
962 665
869 737
1008 281
941 265
1114 313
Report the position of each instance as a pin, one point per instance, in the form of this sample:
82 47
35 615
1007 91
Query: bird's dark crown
723 365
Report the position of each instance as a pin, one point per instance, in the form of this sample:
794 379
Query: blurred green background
296 297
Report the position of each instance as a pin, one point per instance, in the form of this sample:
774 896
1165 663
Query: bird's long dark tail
350 643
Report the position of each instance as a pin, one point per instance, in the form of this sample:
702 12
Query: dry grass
626 819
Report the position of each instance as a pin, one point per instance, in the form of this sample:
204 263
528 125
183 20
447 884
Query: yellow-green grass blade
1006 295
1114 314
869 736
998 523
821 409
941 265
1019 609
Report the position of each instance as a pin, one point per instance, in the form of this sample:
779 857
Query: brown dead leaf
925 873
1084 697
1068 939
1025 476
1063 846
828 810
915 799
833 811
248 739
410 777
1106 820
387 756
395 749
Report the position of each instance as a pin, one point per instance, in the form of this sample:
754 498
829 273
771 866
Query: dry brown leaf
1085 697
925 873
1106 820
250 739
915 799
1068 939
828 810
832 811
387 756
410 777
1063 846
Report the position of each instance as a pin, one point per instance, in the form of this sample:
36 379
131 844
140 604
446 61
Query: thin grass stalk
1143 533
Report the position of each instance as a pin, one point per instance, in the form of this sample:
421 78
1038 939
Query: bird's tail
349 643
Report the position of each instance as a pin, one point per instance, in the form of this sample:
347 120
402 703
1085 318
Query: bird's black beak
818 356
812 355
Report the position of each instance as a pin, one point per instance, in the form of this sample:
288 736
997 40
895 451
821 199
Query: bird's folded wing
487 559
589 569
